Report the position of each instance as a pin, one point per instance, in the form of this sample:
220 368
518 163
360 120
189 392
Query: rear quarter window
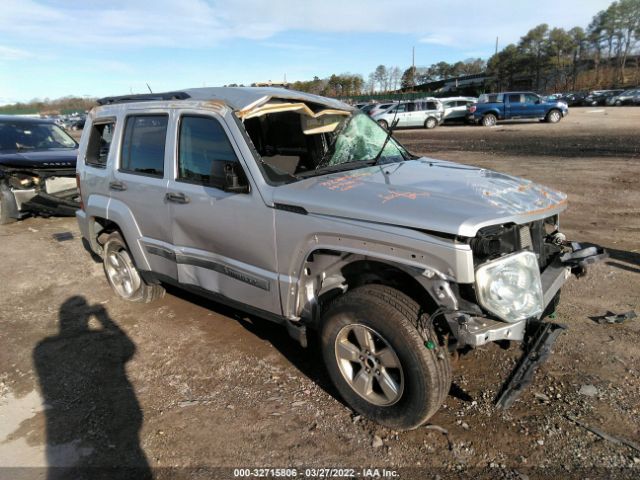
99 143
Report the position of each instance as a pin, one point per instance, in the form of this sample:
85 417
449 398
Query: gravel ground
183 386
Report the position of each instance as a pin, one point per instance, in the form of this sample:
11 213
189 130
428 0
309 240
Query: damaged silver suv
303 211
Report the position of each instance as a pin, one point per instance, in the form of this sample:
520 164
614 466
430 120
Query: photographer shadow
93 417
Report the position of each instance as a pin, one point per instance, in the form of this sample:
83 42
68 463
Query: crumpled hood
43 159
425 194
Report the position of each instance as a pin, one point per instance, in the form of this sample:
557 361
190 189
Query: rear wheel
122 274
382 365
383 124
554 116
430 123
489 120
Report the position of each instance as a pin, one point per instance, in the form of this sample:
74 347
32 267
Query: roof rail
144 97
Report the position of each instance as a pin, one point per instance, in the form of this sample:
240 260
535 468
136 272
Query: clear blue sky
53 48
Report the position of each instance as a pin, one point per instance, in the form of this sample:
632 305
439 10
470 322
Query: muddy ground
183 386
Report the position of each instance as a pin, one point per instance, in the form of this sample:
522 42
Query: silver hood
425 194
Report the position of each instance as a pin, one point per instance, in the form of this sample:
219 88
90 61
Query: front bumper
477 330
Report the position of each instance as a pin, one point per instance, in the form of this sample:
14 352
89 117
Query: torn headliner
243 99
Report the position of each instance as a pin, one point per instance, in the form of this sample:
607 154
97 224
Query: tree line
79 104
386 79
559 59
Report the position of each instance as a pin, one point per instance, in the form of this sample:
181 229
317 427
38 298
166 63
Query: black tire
383 124
618 103
489 120
430 123
425 365
554 116
140 291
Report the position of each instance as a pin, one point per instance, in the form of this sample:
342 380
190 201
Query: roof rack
145 97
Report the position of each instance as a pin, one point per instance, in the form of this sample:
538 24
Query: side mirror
233 182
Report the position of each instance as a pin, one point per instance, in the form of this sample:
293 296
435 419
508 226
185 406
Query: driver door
223 240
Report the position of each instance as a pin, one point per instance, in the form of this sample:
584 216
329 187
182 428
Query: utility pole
413 67
496 45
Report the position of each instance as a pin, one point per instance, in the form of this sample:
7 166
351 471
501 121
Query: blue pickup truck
492 107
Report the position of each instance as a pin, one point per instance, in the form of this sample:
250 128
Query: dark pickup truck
515 105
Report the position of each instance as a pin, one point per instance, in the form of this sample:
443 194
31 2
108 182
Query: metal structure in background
463 85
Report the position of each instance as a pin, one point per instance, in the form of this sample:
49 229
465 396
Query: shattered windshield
360 139
18 136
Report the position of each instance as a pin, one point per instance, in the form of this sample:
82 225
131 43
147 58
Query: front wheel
383 124
382 365
489 120
554 116
122 274
430 123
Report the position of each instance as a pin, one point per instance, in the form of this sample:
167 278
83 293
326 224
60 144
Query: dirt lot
189 384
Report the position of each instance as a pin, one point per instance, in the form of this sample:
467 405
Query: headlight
510 287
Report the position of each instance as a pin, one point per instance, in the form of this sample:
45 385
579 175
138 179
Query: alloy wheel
369 364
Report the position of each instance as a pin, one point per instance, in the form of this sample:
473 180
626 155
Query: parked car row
69 122
616 97
427 112
486 110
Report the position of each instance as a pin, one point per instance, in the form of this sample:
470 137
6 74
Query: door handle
117 186
177 197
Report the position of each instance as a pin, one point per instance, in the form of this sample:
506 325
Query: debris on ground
588 390
611 317
377 442
443 431
604 435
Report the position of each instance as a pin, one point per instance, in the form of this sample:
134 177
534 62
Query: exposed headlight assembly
510 287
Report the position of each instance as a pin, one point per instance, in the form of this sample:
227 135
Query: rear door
515 107
215 232
138 186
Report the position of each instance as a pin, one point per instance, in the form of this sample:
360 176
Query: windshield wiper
336 168
376 159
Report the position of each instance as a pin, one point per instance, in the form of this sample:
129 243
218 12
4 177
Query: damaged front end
41 191
37 169
520 270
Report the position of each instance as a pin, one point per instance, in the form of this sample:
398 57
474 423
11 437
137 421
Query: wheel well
102 227
365 271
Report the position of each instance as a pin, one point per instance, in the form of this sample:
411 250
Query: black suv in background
37 169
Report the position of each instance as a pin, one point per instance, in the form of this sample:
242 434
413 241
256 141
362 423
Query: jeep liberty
302 210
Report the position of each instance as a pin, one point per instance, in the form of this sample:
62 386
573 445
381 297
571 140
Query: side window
432 106
401 108
99 143
204 151
411 107
143 145
529 98
514 98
